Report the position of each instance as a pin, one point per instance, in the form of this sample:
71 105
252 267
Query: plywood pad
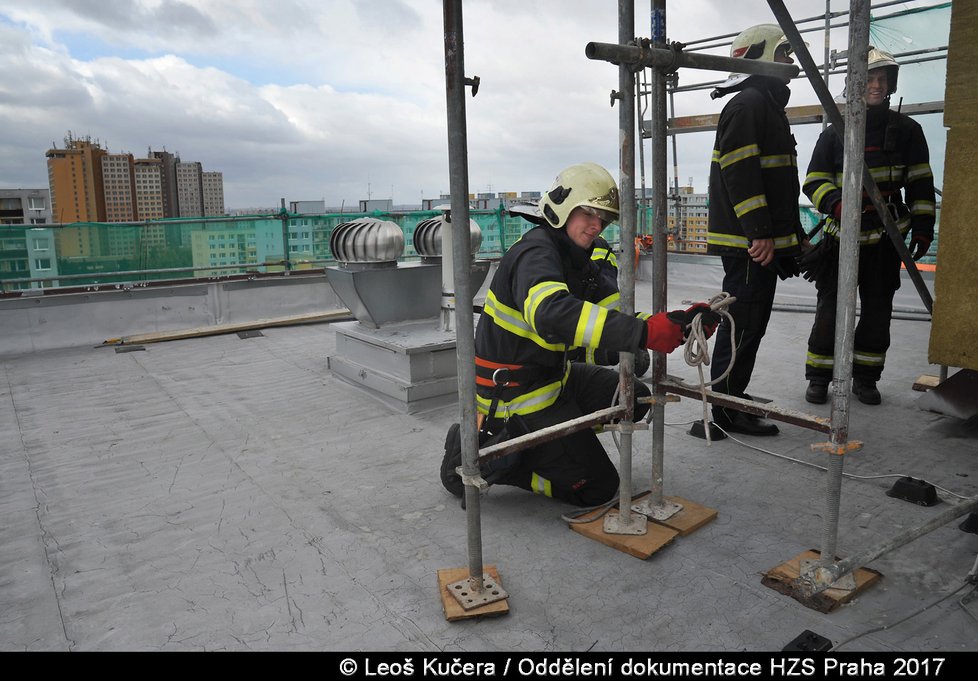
454 611
782 578
641 546
926 382
691 518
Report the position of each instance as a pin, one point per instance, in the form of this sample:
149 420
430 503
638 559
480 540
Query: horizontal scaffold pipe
822 578
550 433
652 56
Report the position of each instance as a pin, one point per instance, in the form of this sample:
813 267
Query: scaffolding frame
632 55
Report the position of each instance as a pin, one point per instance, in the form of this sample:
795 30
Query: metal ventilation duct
427 238
367 243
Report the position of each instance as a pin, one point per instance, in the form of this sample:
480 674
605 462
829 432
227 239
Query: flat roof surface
223 493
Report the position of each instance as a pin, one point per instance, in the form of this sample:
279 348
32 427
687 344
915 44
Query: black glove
785 266
919 245
685 317
818 259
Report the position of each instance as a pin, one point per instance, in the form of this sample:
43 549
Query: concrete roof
223 493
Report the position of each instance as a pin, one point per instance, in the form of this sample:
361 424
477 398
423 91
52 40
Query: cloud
304 99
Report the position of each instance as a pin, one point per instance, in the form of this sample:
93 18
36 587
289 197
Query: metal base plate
843 583
470 598
662 512
613 524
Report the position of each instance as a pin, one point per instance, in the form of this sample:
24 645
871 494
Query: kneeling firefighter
547 300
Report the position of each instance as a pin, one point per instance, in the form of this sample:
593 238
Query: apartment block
119 187
75 181
212 187
190 189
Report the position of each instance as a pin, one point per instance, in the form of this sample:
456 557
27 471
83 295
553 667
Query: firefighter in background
548 299
753 214
897 156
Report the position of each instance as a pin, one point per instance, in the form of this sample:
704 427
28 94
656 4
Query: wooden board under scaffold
453 610
784 579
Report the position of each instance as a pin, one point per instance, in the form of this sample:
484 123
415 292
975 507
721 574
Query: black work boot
817 393
865 390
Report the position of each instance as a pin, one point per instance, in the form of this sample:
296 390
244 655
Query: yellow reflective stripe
923 208
815 176
753 203
731 240
778 161
589 356
820 193
527 403
612 302
590 325
537 295
511 320
873 359
885 173
604 255
918 172
737 241
643 315
736 155
541 485
820 361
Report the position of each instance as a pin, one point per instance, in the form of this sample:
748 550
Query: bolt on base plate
469 598
614 525
662 511
845 582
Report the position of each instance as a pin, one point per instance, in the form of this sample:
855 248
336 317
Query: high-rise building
190 189
149 188
119 187
212 184
75 181
168 178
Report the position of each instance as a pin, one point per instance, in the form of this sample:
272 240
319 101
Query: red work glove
663 334
837 211
685 318
919 245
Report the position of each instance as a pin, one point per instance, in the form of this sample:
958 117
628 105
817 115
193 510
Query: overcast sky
345 99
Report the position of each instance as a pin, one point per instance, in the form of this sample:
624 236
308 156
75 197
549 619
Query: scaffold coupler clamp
838 449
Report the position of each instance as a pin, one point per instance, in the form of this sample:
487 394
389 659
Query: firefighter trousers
878 281
754 287
575 468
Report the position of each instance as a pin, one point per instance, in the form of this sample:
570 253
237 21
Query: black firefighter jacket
897 157
754 174
547 299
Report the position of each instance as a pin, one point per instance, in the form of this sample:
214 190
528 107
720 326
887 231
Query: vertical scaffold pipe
626 222
660 183
465 333
854 145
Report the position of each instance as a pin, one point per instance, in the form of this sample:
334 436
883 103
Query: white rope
696 352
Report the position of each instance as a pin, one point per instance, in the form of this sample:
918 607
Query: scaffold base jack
461 601
788 578
679 514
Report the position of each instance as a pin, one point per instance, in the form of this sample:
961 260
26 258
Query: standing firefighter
548 299
753 215
897 156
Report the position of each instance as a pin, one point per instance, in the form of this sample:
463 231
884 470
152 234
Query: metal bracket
662 511
841 450
614 525
468 596
472 480
474 82
810 573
